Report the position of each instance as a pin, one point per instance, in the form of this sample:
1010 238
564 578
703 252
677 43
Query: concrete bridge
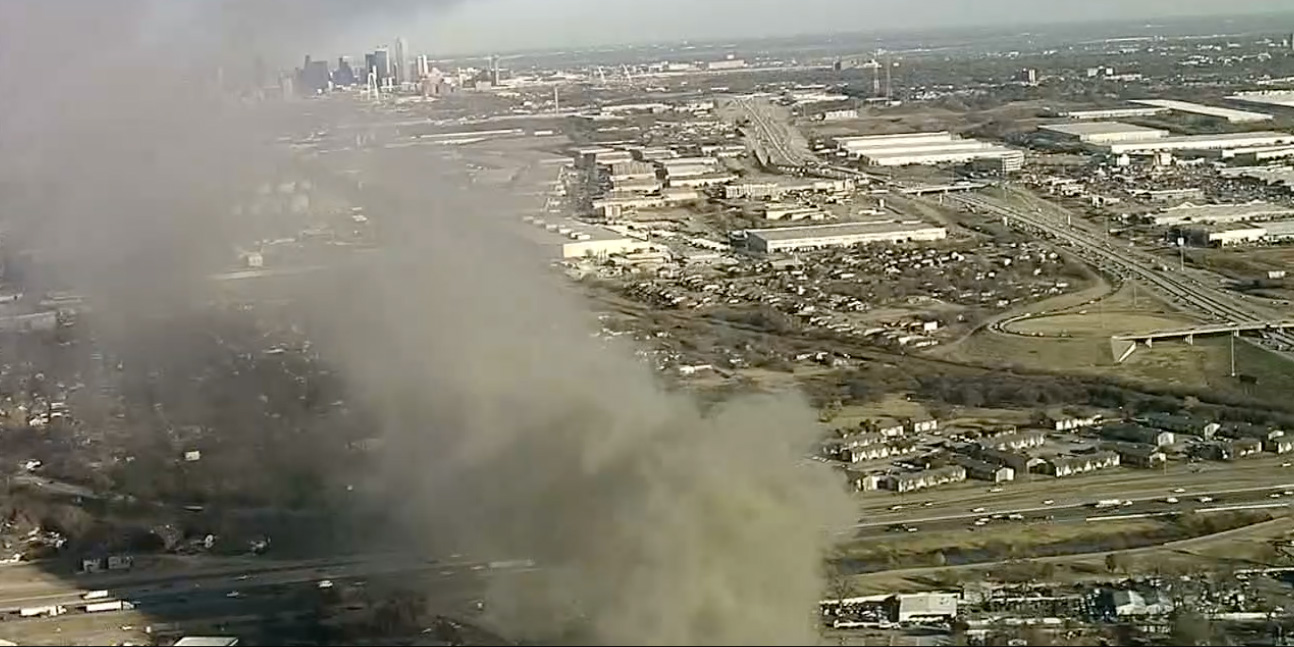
1122 346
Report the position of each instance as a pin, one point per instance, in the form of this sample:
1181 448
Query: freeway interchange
1188 293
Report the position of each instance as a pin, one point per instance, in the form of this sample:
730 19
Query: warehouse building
1280 98
864 142
1220 213
922 607
624 171
1111 113
1105 132
841 235
1201 142
567 239
1231 115
940 147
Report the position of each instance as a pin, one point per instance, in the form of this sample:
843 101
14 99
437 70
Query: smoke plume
512 431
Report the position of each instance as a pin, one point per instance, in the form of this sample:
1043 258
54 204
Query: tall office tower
315 76
382 62
423 66
345 74
370 64
399 66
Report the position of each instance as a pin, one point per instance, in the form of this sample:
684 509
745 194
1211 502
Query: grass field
1241 547
1087 323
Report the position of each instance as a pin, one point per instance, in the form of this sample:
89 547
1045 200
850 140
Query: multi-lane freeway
774 140
1186 292
1273 497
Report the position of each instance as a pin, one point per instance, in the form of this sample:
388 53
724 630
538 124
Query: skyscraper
382 62
400 65
345 75
423 67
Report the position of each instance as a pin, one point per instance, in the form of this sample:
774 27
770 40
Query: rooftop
842 229
1101 128
207 641
1229 114
559 232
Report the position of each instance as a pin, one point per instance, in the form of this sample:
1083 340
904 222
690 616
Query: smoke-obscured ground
510 431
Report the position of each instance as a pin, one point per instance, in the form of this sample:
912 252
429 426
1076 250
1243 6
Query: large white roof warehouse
940 147
1201 142
841 235
1103 132
1233 116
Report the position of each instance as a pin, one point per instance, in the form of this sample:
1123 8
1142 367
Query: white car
1179 490
1171 499
978 510
1049 502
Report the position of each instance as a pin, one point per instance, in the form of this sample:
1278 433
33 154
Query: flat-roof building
1111 113
570 239
1230 114
841 235
1220 213
1201 142
1102 132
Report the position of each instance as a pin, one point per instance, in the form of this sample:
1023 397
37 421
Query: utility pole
1233 354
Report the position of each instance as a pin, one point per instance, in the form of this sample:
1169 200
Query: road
147 588
1217 500
777 139
1187 292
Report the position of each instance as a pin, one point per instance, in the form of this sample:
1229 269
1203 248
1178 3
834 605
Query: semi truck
50 610
115 605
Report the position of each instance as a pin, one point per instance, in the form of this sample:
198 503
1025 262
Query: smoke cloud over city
512 430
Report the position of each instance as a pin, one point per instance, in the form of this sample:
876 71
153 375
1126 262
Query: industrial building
1103 132
1220 213
925 148
922 607
841 235
624 171
570 239
1280 98
1268 232
1231 115
1111 113
1201 142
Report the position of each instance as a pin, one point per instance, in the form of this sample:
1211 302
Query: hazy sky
502 25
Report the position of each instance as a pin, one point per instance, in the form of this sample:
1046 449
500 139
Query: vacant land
1222 543
1092 323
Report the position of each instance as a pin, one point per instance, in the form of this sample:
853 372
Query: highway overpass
1122 346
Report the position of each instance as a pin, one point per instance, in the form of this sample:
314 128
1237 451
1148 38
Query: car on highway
1171 499
1205 499
979 510
1179 490
1049 502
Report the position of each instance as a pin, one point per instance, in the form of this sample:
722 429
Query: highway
1218 500
147 589
777 139
1185 291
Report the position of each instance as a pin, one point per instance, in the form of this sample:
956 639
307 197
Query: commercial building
1133 604
1231 115
863 142
1103 132
1226 236
726 64
1201 142
568 239
1111 113
841 235
1138 455
622 171
1220 213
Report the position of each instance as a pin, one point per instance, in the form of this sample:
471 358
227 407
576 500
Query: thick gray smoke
513 431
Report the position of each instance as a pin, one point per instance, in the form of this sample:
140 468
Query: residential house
1243 447
1068 465
923 426
1176 423
1138 455
925 479
984 471
1015 442
864 482
1021 463
1282 445
1133 433
1246 430
1070 424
